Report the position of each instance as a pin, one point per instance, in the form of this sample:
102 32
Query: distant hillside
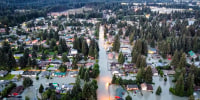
42 3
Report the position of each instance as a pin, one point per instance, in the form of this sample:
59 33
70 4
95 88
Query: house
45 73
16 91
132 87
196 88
143 86
2 30
73 52
192 54
3 73
154 71
146 87
89 64
29 74
17 72
74 74
68 87
59 74
110 56
152 51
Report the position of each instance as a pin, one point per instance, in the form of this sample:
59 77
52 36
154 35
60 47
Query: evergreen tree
175 59
43 56
85 48
34 54
134 56
11 60
148 75
41 88
120 32
29 62
86 76
189 84
116 44
22 63
158 91
27 82
121 58
114 79
65 58
182 63
128 97
179 86
139 77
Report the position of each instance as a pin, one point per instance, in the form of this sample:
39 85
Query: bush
158 91
37 78
27 82
27 98
165 79
172 90
128 97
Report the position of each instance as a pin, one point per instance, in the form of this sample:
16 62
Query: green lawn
7 77
51 65
51 53
17 57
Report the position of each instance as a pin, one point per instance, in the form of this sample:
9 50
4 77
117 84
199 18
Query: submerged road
104 90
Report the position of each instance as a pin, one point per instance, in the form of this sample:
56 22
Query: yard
7 77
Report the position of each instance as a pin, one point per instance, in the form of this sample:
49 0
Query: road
104 91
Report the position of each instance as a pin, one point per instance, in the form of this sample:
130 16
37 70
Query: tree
121 58
34 54
85 48
64 57
11 60
179 86
139 77
86 90
148 75
175 59
29 62
41 88
114 78
128 97
53 96
95 71
22 63
27 98
27 82
189 84
191 97
116 44
43 56
63 68
86 76
182 63
120 32
158 91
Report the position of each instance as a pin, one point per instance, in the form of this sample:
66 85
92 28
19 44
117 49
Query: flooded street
104 92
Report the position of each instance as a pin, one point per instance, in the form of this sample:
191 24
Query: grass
51 65
17 57
51 53
7 77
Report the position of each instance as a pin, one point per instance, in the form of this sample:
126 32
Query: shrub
172 90
165 79
158 91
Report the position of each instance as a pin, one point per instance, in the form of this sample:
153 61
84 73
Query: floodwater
165 95
32 92
105 91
